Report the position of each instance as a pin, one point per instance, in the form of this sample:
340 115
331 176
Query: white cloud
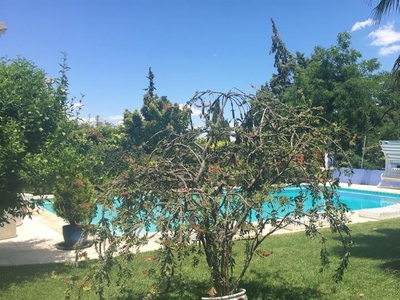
87 121
196 112
77 105
182 106
361 25
384 36
115 118
111 119
389 50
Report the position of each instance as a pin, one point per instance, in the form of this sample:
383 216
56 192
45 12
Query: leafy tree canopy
157 116
29 116
352 91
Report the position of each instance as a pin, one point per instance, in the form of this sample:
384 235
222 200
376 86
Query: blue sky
190 45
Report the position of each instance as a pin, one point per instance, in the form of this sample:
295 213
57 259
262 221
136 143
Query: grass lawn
290 272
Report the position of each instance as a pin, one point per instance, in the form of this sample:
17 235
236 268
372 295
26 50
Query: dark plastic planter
72 235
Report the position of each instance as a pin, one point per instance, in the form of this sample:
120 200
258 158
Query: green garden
205 182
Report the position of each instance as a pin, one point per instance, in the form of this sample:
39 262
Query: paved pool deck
37 237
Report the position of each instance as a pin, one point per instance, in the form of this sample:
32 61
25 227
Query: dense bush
29 116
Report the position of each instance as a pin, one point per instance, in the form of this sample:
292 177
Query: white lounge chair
391 176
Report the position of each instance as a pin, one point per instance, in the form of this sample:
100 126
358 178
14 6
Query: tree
284 63
107 147
385 7
150 90
203 191
29 116
65 146
350 90
156 115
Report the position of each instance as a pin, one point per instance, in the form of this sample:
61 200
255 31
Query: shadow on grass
255 289
375 242
33 262
282 289
33 251
15 275
190 289
55 280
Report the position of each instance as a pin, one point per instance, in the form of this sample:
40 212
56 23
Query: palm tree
383 8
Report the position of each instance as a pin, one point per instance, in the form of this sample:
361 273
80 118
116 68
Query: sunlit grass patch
287 267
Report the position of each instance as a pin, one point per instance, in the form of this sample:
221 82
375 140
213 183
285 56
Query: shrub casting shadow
15 275
36 248
261 290
380 244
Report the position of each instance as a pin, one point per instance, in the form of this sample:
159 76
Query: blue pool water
354 199
357 199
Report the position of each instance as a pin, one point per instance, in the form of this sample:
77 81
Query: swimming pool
356 199
353 198
359 199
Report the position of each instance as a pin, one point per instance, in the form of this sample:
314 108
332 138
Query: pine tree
284 64
150 90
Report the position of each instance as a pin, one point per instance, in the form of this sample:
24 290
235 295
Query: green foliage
155 120
289 272
384 7
71 163
29 116
82 159
150 90
73 160
74 200
353 95
204 190
106 157
284 63
205 187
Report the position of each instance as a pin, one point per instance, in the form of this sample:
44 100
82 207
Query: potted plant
74 201
220 182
